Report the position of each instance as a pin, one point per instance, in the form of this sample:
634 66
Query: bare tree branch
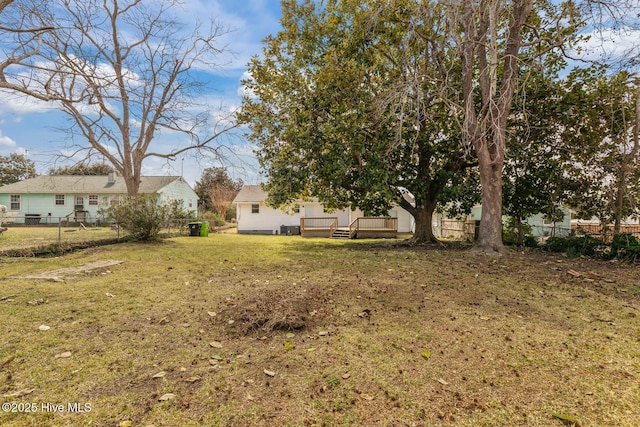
124 73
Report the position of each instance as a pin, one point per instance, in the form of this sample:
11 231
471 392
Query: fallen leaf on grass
366 396
346 376
426 354
249 397
20 393
212 313
269 373
167 396
160 374
7 361
215 344
125 423
566 420
443 382
193 379
63 355
44 327
110 295
36 301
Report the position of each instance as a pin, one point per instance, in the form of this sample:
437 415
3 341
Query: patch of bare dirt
62 273
269 310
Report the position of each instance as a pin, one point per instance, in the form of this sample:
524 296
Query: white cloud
16 103
609 45
5 141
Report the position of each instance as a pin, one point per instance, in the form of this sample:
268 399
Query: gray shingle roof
251 193
97 184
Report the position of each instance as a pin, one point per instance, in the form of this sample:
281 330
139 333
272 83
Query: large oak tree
346 107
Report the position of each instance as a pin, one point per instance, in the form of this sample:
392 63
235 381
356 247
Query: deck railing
382 224
315 225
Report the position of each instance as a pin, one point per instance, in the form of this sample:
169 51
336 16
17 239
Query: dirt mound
268 310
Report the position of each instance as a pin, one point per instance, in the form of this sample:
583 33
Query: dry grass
275 330
31 237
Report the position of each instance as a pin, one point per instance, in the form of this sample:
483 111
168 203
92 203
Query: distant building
49 199
255 217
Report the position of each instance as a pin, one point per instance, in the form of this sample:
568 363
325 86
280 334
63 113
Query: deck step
341 234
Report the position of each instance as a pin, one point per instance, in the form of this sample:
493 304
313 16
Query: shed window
15 202
93 200
60 199
255 208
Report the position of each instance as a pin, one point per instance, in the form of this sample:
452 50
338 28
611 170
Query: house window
93 200
255 208
15 202
60 199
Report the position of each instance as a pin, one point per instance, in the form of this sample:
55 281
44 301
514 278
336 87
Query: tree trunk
423 217
490 232
620 190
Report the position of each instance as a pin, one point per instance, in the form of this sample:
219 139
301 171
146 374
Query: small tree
16 167
143 216
221 198
216 190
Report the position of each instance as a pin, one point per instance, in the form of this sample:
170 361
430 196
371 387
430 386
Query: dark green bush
556 244
625 246
519 234
576 246
143 216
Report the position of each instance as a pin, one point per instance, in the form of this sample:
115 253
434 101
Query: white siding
267 220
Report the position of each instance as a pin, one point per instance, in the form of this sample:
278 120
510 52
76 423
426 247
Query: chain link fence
24 233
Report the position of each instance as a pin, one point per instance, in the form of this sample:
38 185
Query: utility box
290 230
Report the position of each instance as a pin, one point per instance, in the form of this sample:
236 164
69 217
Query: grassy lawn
29 237
236 330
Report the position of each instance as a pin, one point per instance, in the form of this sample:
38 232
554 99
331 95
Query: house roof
255 194
250 193
95 184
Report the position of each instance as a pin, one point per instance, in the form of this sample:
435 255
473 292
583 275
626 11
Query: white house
50 199
254 216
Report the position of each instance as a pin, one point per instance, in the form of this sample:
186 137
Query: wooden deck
364 227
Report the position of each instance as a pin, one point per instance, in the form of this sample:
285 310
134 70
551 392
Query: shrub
231 213
556 244
576 246
625 246
143 216
518 234
214 218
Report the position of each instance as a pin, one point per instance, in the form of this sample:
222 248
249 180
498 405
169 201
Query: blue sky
31 128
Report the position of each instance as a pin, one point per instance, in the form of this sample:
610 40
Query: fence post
59 231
